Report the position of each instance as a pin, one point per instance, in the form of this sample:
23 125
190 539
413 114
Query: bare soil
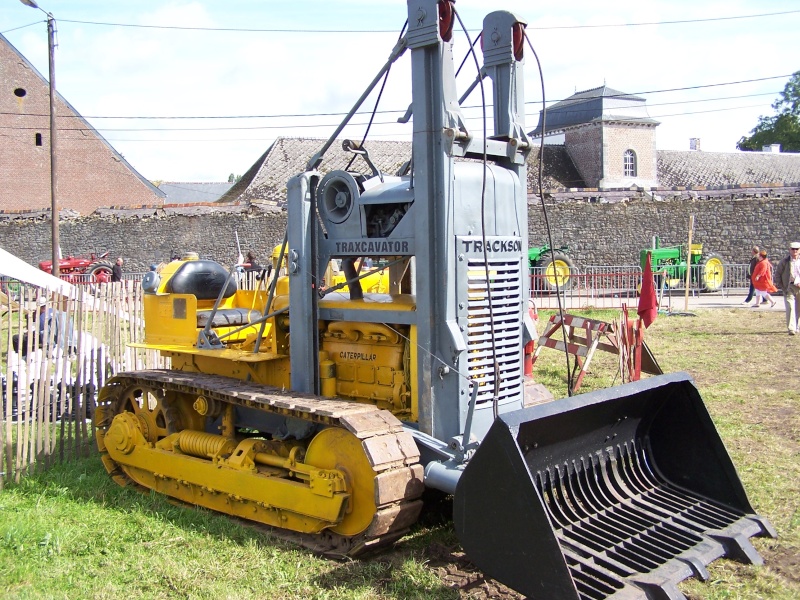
458 573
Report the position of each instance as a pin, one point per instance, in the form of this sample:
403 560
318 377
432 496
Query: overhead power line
390 111
708 85
375 135
382 31
22 27
700 112
679 22
321 126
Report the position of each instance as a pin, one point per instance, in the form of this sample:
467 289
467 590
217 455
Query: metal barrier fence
590 287
736 277
605 284
609 287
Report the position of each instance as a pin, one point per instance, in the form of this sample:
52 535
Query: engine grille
504 344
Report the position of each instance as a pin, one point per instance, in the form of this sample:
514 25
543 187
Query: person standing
44 319
762 280
250 263
753 262
116 270
788 278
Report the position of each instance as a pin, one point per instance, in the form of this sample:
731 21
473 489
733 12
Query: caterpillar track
390 451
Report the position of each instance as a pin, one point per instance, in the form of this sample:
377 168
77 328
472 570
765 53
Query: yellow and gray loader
327 414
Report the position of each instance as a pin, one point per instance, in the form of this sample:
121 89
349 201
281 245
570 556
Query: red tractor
80 269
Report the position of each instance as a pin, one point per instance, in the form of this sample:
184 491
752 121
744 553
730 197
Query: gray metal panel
506 74
304 351
396 317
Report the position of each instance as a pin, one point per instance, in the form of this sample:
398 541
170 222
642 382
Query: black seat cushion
202 278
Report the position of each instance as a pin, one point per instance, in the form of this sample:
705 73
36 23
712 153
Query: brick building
609 136
91 173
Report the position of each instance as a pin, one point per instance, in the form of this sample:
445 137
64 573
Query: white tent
11 266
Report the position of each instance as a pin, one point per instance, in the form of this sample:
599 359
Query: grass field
72 533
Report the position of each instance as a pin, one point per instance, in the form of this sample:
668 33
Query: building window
38 139
629 163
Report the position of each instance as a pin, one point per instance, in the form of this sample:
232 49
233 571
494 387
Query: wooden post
6 432
688 264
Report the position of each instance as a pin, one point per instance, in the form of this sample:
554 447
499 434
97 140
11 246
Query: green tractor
669 266
551 267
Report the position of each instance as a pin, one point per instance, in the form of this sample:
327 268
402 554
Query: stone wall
614 233
147 236
597 233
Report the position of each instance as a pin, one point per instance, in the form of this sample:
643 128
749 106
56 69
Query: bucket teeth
617 519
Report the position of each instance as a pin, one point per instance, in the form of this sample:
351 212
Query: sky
191 91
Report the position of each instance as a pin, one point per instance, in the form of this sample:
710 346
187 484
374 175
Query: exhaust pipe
620 493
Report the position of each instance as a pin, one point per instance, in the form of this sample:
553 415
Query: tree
782 128
234 178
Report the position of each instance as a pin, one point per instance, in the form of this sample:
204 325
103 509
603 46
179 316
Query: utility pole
51 47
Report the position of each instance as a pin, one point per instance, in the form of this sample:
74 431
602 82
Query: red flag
648 305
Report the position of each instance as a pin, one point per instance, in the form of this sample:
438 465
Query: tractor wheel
557 267
712 273
99 272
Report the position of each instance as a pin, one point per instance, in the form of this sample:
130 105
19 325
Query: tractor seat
228 317
202 278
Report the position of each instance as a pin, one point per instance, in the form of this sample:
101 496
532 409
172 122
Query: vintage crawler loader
328 414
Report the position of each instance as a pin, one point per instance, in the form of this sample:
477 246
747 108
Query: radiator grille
505 344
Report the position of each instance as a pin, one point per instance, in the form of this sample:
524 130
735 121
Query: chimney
694 143
772 148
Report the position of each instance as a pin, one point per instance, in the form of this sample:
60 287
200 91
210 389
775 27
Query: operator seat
204 279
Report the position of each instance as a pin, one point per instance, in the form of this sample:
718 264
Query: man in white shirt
787 277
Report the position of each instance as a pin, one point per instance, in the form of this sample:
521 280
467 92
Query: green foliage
782 128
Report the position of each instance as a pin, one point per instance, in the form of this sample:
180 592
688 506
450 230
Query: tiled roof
559 171
265 181
695 168
598 104
183 192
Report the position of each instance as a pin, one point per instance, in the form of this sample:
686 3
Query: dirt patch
783 422
458 573
786 562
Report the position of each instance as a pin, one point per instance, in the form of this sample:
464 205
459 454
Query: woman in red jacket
762 280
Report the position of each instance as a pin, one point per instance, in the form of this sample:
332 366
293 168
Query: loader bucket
620 493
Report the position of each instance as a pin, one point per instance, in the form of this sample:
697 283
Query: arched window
629 163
